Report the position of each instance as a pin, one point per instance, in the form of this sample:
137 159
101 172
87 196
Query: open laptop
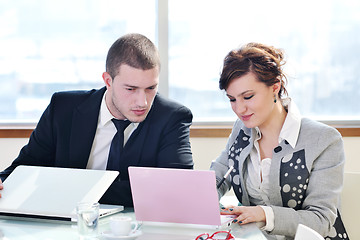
176 196
49 193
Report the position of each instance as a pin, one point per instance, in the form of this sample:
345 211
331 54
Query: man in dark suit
76 130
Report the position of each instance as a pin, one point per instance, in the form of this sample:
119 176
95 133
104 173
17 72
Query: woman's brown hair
264 61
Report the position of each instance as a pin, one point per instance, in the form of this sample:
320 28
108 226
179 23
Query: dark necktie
117 145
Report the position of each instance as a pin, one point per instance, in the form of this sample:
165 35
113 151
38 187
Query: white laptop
176 196
49 193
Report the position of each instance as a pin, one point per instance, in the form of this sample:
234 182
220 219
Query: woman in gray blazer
286 169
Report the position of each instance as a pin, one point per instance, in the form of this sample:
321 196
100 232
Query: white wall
204 151
9 149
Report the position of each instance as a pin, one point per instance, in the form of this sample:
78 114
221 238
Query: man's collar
105 115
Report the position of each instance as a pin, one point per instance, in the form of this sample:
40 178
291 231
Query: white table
30 230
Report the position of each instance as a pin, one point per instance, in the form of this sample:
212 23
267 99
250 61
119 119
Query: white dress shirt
105 132
260 169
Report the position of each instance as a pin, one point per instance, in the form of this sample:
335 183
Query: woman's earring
275 98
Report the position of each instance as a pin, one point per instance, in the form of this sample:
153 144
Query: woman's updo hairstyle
264 61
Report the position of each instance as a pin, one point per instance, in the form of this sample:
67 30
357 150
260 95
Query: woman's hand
245 214
1 186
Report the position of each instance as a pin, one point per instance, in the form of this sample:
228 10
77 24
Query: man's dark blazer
64 135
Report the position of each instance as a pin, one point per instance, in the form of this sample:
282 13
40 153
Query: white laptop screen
50 192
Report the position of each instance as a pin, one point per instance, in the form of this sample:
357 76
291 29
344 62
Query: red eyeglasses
220 235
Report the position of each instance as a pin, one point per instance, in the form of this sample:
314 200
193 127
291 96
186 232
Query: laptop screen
52 192
175 195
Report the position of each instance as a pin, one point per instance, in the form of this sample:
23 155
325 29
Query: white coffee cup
122 225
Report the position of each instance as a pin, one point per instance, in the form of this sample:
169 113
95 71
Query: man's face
131 93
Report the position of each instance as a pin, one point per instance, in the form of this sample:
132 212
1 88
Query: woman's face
252 100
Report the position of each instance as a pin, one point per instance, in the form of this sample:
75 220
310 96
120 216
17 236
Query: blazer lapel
83 129
281 151
243 161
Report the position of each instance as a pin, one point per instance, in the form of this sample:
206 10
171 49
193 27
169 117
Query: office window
48 46
320 39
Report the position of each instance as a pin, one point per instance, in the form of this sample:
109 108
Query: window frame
196 131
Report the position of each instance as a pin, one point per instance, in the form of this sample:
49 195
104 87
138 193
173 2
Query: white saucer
109 235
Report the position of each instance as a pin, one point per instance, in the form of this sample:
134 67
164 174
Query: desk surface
30 230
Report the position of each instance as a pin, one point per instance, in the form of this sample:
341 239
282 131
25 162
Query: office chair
305 233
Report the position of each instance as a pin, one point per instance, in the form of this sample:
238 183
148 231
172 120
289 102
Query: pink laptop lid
175 195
